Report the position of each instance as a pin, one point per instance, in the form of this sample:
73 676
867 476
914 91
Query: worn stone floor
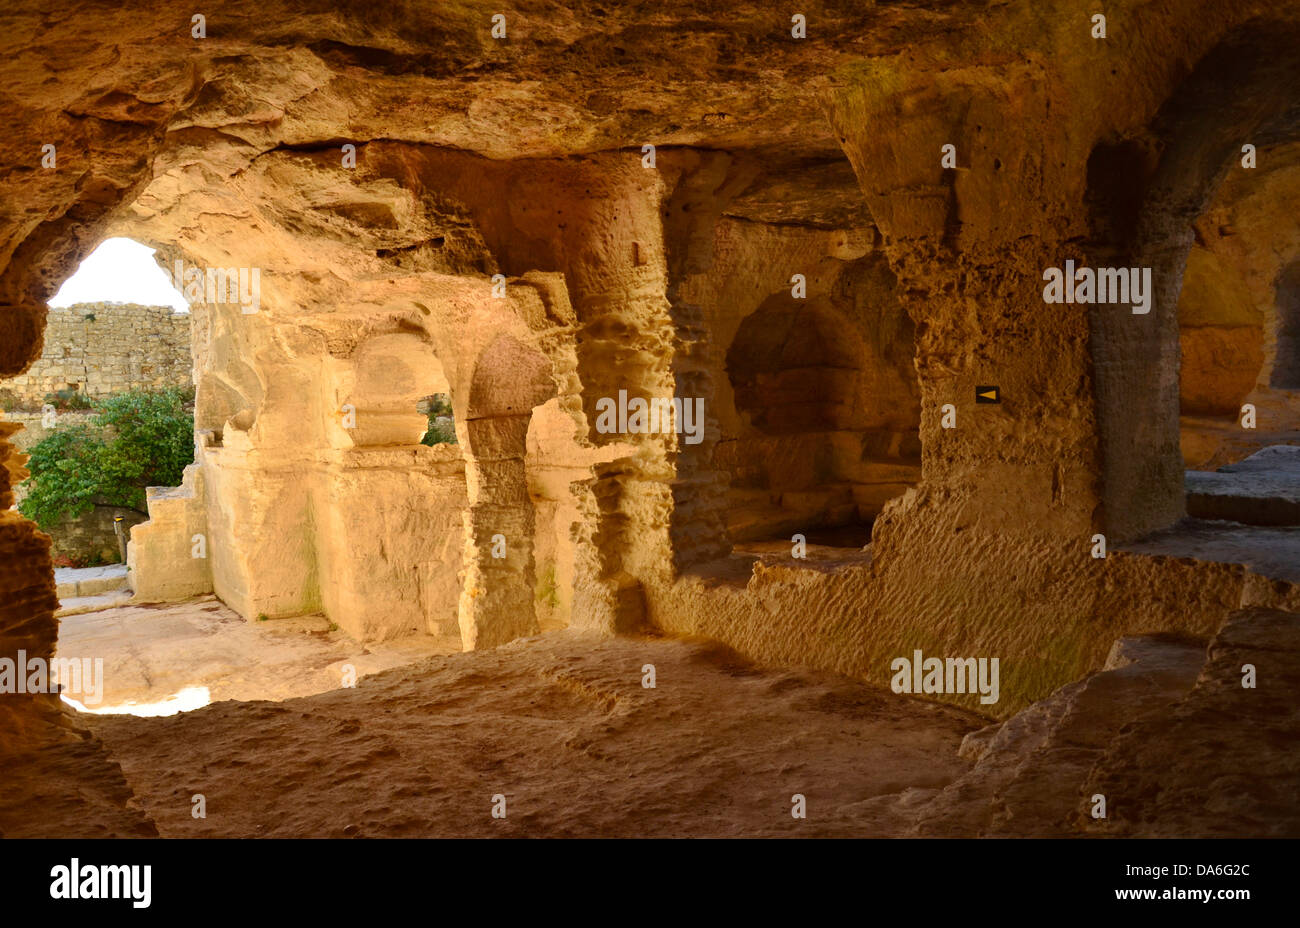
152 653
1269 551
1245 513
1263 489
562 727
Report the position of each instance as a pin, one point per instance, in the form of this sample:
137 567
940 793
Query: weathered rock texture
774 157
59 780
98 349
1166 734
563 727
1239 315
1165 778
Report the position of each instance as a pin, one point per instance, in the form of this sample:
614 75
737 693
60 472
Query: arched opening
1241 93
1236 316
107 412
395 374
828 413
500 597
440 418
1286 363
797 372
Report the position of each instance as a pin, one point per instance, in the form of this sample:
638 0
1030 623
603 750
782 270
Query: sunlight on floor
188 699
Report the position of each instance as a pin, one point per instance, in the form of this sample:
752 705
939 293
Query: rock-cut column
496 602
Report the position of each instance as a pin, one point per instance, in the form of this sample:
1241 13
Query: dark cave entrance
828 400
1286 366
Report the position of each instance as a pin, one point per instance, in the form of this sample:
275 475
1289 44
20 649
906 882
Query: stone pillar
496 603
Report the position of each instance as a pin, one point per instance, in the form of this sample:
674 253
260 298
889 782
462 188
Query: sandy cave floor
562 726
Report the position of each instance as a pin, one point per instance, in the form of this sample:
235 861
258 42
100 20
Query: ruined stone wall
99 349
34 429
91 538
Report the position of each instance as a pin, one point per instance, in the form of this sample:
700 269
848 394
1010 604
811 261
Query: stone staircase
89 589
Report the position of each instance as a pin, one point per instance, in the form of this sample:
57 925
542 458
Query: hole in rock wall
121 270
829 412
108 407
436 407
1286 366
400 394
1239 321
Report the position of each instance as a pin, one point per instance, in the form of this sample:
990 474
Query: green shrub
138 439
439 433
63 400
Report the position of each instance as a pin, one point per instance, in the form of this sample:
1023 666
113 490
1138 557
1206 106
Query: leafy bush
440 432
63 400
138 439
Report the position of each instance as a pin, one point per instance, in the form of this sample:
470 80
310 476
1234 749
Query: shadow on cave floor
562 727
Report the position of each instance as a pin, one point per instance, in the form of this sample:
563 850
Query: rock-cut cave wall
433 210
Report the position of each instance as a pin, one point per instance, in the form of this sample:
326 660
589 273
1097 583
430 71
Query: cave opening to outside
108 408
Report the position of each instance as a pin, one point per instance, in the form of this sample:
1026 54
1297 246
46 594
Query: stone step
76 605
75 582
1264 489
